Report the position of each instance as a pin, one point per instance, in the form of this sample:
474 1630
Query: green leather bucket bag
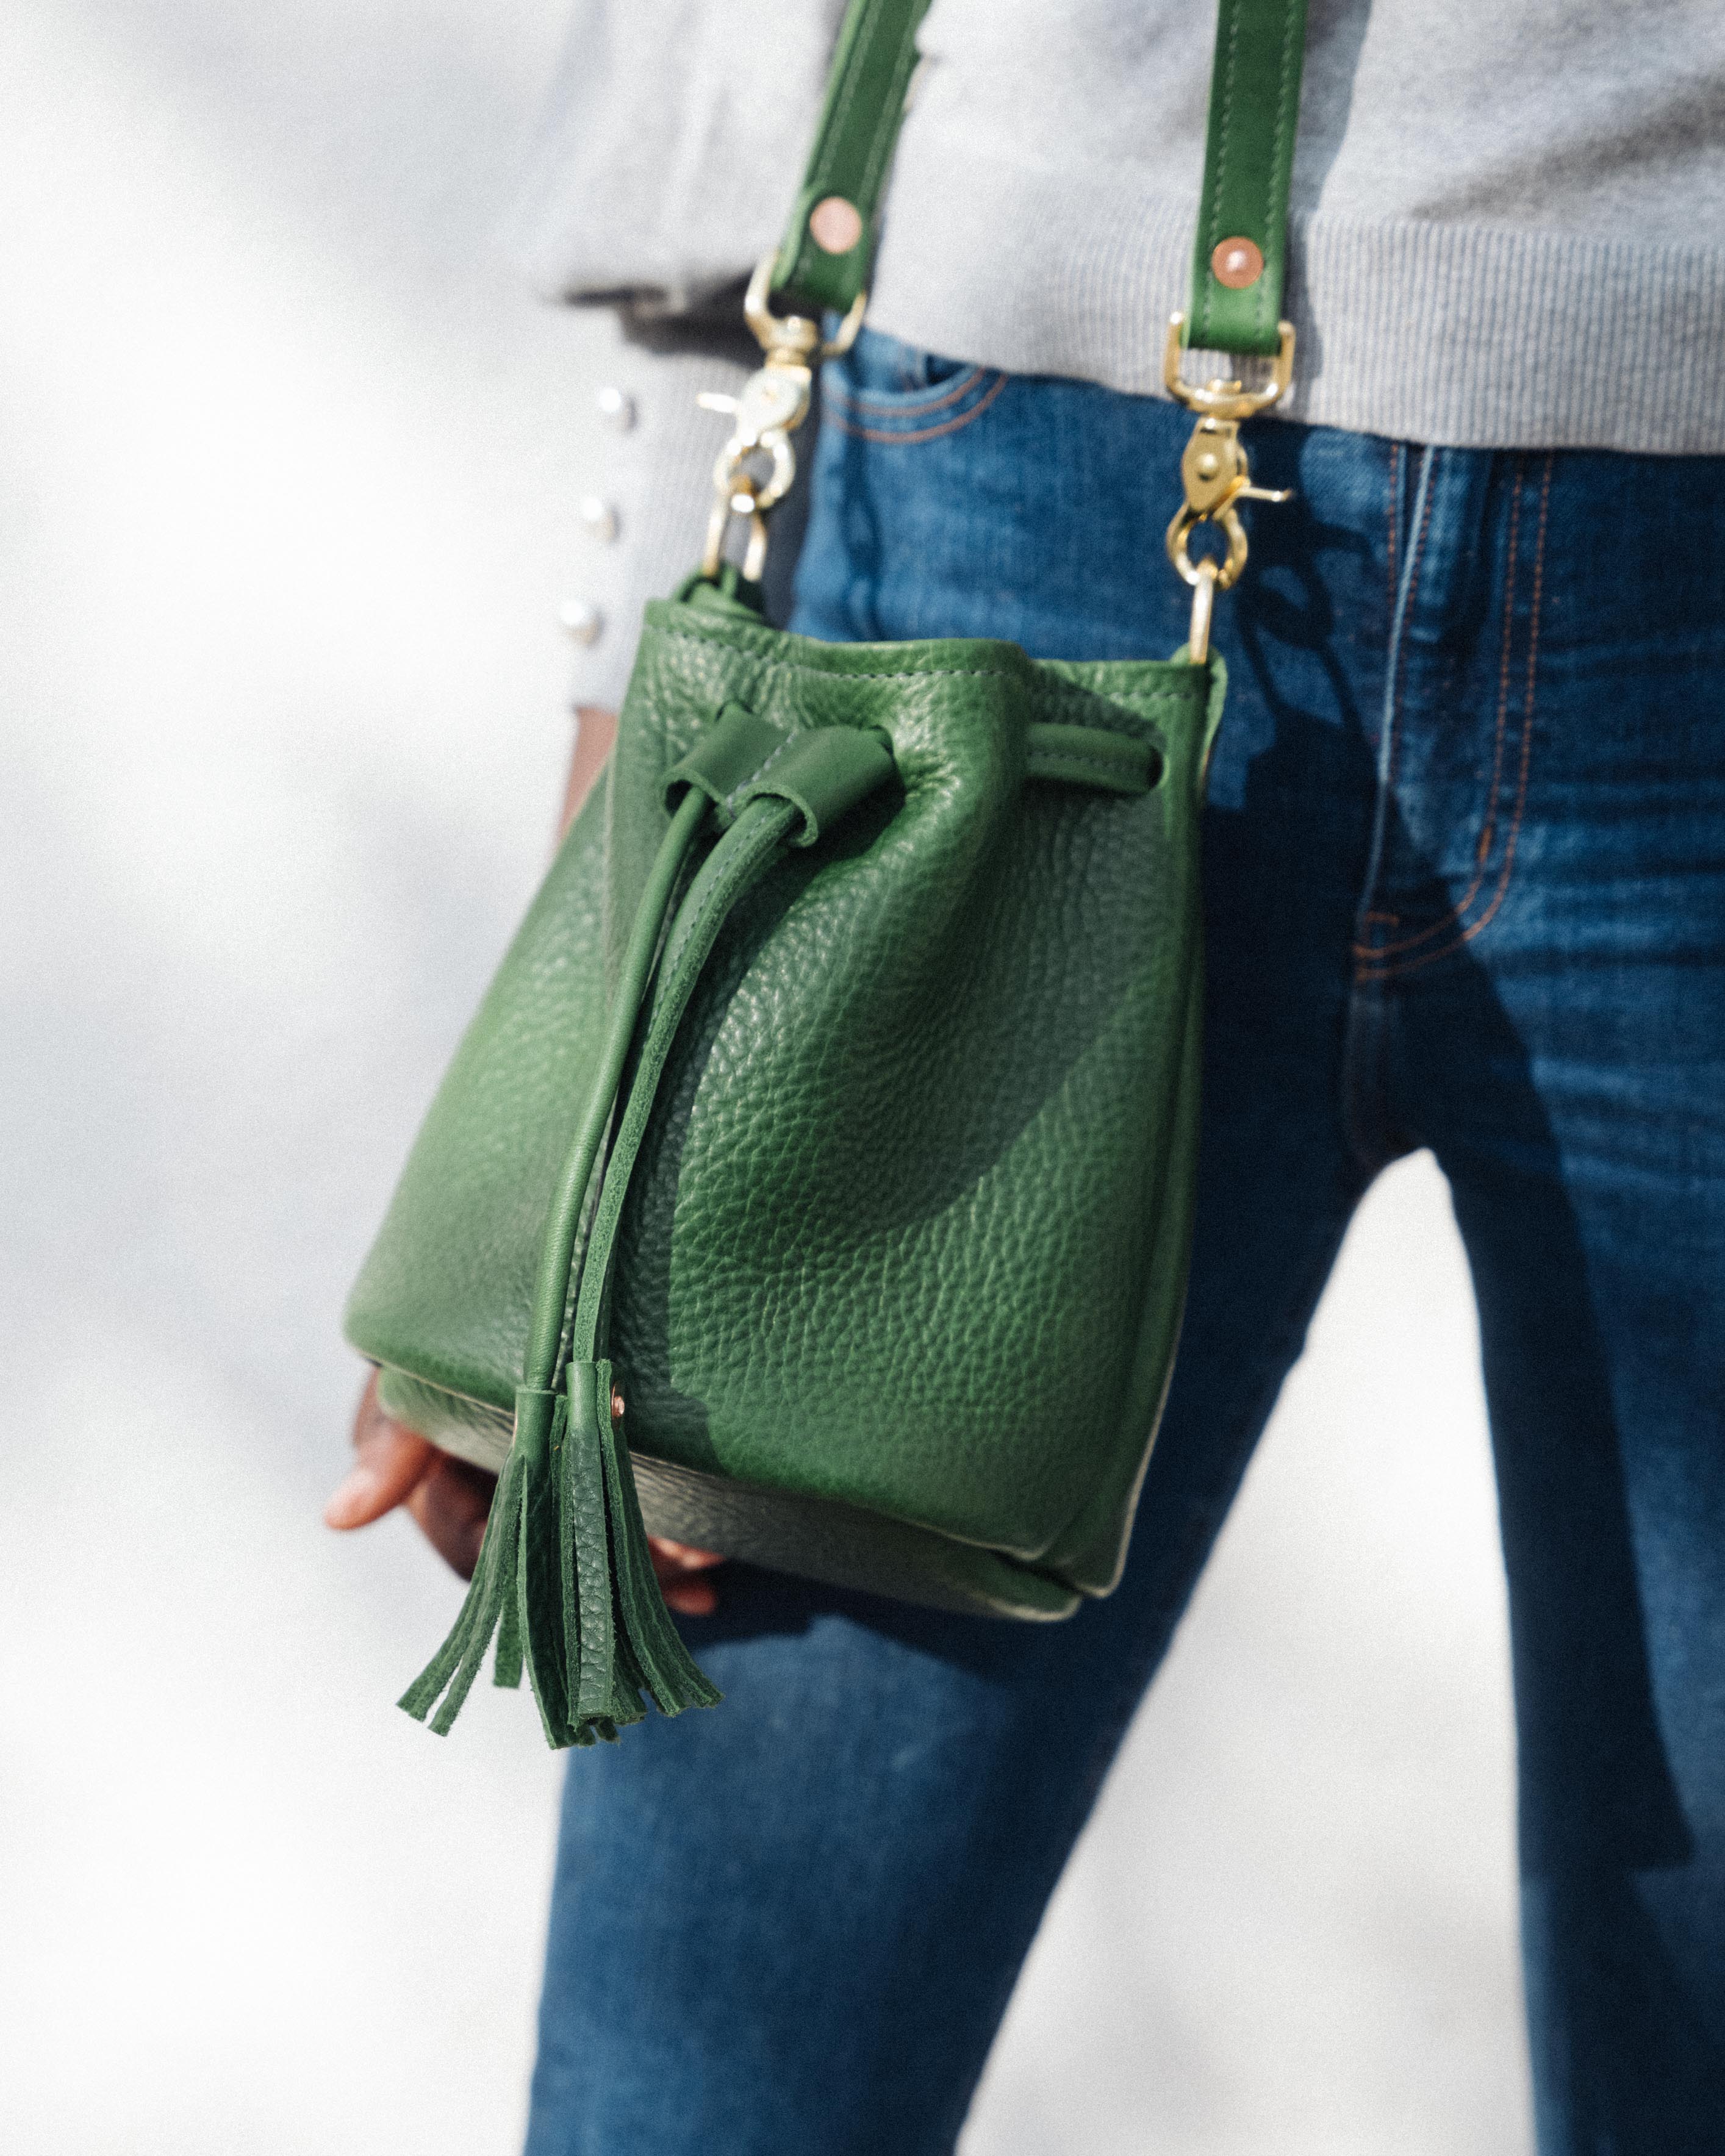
814 1184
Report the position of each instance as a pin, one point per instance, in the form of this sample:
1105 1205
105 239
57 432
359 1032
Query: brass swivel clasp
1215 474
755 467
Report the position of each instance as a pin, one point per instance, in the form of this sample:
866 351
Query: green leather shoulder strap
1241 254
829 245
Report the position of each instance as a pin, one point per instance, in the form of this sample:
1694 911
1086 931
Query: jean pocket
886 391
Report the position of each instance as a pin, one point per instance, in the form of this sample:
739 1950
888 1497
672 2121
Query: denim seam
1391 742
1403 604
892 439
1377 953
1393 708
1400 971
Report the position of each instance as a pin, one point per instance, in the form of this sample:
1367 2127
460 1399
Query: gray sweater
1509 215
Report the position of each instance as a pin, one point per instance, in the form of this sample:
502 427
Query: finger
677 1566
670 1557
392 1460
691 1597
450 1507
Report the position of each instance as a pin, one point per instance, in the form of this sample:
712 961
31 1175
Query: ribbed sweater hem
1477 336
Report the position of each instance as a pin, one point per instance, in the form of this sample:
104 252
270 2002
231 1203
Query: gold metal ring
796 332
1229 399
1225 573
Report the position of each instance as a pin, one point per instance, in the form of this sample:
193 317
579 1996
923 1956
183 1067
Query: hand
449 1501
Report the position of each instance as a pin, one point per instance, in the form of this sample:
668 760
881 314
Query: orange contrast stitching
926 434
1412 965
1393 713
1489 830
842 394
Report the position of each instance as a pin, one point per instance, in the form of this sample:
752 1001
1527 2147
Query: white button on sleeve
584 621
598 518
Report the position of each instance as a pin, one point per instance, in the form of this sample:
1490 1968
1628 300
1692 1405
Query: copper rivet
836 225
616 1407
1236 263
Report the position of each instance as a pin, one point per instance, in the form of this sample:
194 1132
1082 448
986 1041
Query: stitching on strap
820 161
712 896
820 170
1275 200
841 110
887 119
1222 133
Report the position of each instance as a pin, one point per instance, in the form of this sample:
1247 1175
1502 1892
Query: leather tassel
491 1594
662 1664
540 1582
602 1694
566 1580
516 1592
507 1668
622 1641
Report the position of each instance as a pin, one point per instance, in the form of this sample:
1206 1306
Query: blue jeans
1466 890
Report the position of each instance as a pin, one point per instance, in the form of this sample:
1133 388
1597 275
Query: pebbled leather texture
899 1273
1248 161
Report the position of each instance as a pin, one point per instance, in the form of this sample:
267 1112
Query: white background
288 464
